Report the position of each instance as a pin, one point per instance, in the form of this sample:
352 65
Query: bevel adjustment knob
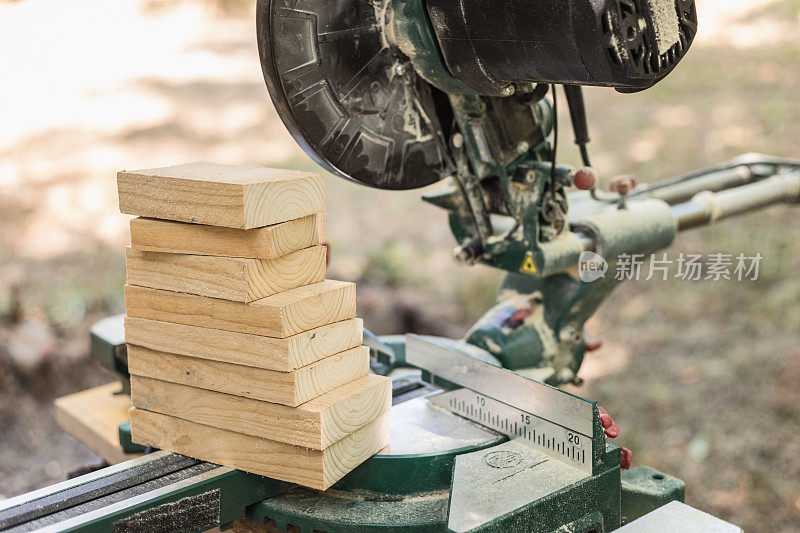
622 185
585 179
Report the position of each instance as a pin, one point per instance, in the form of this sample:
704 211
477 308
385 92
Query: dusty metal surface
193 513
490 484
418 428
677 517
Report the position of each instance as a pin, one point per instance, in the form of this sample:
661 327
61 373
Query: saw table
402 94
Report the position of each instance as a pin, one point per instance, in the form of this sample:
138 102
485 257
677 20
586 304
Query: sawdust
665 23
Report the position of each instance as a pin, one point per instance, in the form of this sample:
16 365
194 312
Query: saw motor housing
494 45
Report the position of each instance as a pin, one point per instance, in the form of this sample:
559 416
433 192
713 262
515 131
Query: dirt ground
703 377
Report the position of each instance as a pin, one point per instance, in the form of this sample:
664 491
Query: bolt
523 147
508 90
571 335
400 69
462 255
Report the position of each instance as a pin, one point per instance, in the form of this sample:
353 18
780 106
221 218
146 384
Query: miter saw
401 94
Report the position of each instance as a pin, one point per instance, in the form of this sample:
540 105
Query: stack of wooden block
240 351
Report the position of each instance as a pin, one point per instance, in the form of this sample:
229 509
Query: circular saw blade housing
346 96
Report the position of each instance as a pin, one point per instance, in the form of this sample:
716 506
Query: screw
508 90
458 140
400 69
523 147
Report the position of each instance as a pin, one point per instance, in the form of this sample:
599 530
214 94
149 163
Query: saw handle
577 114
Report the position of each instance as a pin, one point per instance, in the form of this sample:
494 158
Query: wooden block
151 235
230 278
286 388
245 525
93 417
283 355
280 315
318 469
221 195
315 424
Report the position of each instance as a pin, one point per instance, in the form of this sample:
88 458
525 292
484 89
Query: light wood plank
221 195
318 469
271 353
315 424
230 278
286 388
281 315
152 235
93 417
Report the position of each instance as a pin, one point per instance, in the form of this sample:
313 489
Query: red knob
626 458
623 184
612 430
585 179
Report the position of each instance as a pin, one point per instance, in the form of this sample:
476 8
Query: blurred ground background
703 377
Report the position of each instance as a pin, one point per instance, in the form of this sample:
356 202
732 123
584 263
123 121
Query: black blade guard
351 101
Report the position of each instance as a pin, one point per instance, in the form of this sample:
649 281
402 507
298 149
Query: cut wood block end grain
313 305
246 349
93 417
229 278
152 235
221 195
315 424
281 315
286 388
318 469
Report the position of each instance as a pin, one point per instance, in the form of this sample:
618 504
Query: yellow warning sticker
529 266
